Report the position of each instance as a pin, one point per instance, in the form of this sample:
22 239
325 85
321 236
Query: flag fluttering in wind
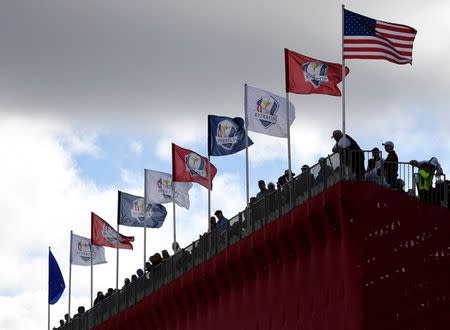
103 234
188 166
226 135
56 283
307 75
158 189
368 38
134 212
266 113
81 252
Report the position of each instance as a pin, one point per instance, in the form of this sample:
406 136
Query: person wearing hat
391 164
425 175
352 154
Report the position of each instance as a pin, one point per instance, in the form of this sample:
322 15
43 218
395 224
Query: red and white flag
368 38
188 166
307 75
103 234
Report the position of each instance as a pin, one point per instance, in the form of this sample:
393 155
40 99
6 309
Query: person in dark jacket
351 153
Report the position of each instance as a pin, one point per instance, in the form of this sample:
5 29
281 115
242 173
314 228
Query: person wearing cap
351 151
391 164
427 170
263 190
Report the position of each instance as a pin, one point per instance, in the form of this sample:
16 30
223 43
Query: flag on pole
158 189
188 166
266 113
368 38
226 135
56 283
81 252
134 212
307 75
103 234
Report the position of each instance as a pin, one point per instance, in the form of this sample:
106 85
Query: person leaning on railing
351 153
391 164
425 174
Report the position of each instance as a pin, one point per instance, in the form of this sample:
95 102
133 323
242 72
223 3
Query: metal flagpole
343 73
117 244
70 271
209 191
288 136
48 301
246 147
145 221
174 221
92 276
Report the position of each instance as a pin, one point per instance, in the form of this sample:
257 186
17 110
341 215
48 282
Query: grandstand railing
330 170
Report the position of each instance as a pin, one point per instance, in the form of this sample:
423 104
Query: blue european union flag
226 135
133 212
56 283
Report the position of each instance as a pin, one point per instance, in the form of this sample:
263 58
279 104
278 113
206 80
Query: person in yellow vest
425 175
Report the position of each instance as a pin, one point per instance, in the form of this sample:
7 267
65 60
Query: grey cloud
116 61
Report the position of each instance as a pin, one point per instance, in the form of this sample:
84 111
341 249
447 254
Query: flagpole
70 271
343 73
145 221
92 266
48 301
174 221
246 148
117 244
209 190
288 136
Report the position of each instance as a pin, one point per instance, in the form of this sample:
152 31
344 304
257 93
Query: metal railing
304 186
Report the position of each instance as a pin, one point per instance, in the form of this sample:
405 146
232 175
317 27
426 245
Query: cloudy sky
92 92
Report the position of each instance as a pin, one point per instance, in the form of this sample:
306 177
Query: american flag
367 38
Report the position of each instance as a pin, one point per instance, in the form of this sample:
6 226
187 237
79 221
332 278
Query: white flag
158 189
81 252
266 113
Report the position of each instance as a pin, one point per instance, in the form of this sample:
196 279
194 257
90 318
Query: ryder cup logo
139 210
315 73
195 164
84 250
266 109
110 234
165 186
226 134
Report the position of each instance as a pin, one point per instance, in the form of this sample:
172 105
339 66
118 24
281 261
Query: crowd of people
380 171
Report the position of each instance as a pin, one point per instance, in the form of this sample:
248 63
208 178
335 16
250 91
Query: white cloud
136 147
43 198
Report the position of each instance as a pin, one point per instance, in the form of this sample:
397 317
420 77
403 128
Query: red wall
340 261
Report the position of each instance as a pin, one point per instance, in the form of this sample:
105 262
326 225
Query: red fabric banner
103 234
307 75
188 166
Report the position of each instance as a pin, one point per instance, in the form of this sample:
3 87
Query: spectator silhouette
212 223
271 187
100 297
351 154
165 254
139 272
391 164
262 191
305 181
325 172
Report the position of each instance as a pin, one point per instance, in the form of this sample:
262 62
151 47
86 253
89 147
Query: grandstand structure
336 254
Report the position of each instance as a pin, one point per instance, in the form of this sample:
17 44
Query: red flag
104 235
188 166
306 75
